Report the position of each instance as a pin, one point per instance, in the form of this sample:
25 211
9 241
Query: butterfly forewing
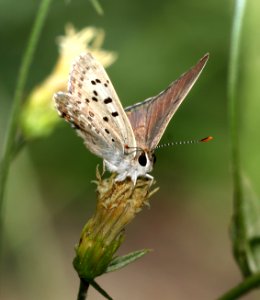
93 108
150 118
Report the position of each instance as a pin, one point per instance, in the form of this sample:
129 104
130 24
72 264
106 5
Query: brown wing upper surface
150 118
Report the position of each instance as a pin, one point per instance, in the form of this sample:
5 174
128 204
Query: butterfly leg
103 167
124 175
150 177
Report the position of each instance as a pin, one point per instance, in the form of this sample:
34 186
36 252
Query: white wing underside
93 108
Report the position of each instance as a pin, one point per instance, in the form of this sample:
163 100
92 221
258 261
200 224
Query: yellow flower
38 117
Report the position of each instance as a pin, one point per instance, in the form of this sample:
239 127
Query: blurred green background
50 194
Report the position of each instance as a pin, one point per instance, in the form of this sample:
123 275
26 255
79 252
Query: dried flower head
117 205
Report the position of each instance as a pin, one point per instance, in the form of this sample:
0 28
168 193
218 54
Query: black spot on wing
114 114
107 100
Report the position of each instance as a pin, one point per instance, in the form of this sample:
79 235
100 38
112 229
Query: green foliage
122 261
246 219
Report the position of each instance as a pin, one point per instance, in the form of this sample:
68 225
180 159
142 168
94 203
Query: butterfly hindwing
94 139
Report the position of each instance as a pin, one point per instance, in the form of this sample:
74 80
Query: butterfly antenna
135 149
204 140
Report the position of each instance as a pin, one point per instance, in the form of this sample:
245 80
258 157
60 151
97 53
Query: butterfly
124 139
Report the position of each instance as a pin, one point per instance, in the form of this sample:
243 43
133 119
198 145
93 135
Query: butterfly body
125 139
140 165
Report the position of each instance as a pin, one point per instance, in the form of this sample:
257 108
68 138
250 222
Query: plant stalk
12 128
242 288
83 289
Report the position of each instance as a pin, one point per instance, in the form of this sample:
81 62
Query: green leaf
247 241
122 261
98 288
245 123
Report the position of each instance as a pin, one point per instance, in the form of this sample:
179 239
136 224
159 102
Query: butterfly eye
142 160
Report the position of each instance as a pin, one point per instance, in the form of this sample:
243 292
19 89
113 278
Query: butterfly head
146 159
140 161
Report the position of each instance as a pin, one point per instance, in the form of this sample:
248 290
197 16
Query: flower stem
83 289
233 103
242 288
239 230
12 128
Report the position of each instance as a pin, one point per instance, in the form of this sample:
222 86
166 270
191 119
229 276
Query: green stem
252 281
12 128
238 226
97 7
83 289
242 288
233 105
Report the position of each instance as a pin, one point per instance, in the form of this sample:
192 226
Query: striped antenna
204 140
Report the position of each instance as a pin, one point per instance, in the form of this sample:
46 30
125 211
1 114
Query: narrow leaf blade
98 288
122 261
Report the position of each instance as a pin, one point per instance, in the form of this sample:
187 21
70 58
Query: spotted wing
94 110
150 118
